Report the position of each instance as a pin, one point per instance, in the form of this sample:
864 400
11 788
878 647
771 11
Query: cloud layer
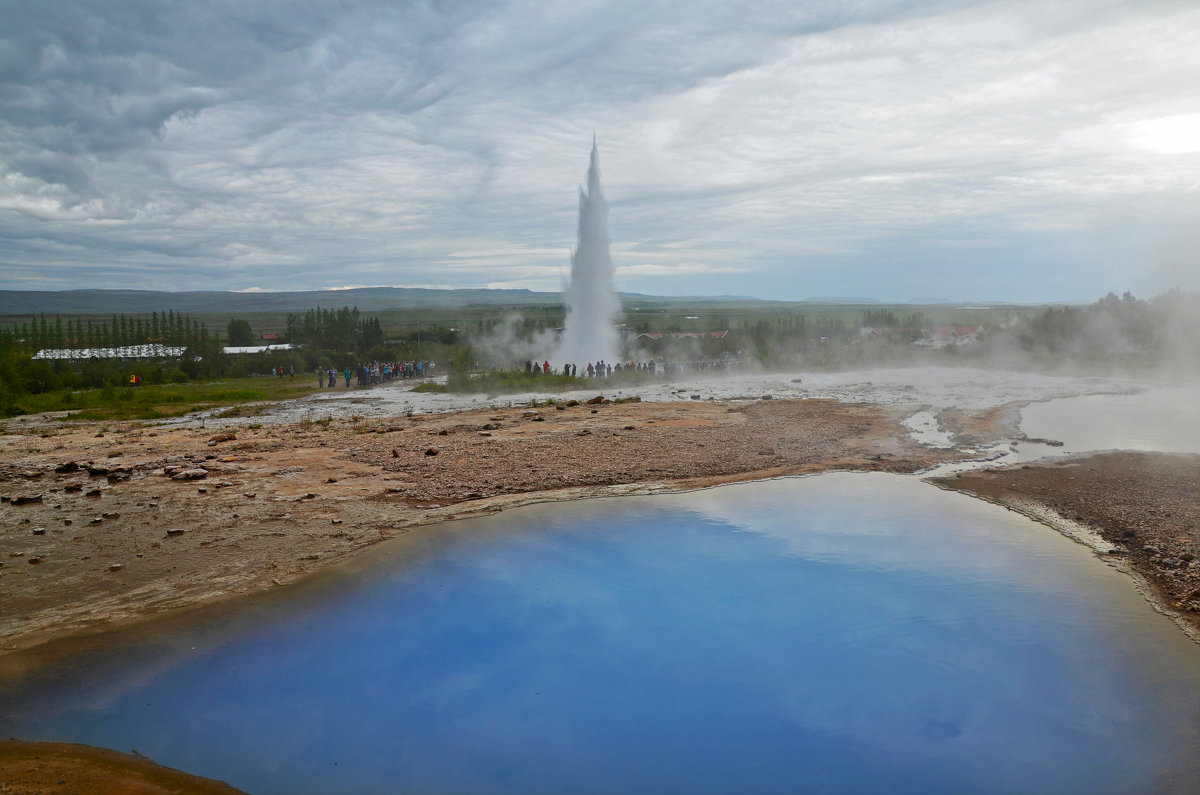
975 150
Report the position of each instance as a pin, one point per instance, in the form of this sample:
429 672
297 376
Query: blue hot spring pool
840 633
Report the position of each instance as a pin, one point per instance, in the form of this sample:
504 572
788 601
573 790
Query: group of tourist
598 369
371 373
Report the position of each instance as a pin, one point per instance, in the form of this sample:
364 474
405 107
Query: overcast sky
1022 151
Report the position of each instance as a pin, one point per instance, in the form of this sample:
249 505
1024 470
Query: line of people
598 369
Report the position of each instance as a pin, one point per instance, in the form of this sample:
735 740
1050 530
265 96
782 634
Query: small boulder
190 474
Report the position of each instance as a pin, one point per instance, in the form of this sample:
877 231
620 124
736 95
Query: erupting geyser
592 306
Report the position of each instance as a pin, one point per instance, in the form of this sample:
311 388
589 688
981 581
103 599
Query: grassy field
149 402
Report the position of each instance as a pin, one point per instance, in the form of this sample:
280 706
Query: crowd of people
371 373
603 369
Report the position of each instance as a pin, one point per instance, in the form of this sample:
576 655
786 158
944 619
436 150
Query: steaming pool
837 633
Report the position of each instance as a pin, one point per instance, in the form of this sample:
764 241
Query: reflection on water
843 633
1166 420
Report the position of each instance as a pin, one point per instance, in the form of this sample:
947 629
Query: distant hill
17 303
368 299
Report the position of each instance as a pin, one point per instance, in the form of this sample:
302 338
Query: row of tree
342 329
168 328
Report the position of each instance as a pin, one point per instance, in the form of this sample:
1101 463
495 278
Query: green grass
148 402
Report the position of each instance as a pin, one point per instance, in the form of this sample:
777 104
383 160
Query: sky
883 149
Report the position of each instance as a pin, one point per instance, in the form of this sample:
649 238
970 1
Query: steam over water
592 305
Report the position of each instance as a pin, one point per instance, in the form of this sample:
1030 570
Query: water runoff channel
847 632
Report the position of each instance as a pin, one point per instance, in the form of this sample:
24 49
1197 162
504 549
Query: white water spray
592 306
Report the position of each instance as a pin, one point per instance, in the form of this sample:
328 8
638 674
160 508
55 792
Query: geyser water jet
589 333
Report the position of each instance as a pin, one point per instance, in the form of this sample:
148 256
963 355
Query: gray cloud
799 147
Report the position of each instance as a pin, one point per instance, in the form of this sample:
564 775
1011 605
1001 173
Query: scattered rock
36 559
27 499
67 467
175 531
431 451
190 474
72 487
116 567
596 401
39 531
395 453
93 493
443 432
221 437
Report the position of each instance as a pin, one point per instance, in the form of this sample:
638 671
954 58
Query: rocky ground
107 524
1141 508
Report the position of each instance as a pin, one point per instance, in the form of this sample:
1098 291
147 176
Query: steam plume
592 306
